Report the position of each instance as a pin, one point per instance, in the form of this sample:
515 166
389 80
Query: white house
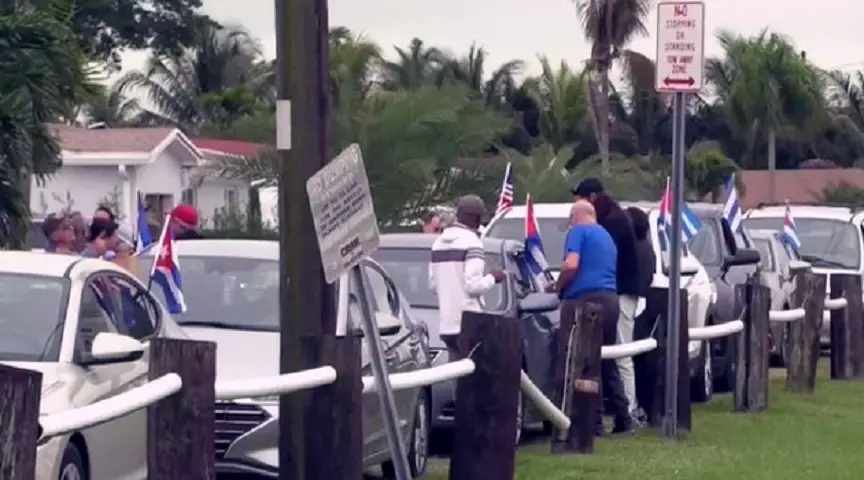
110 165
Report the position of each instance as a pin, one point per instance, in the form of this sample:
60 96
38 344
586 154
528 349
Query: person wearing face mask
102 239
457 271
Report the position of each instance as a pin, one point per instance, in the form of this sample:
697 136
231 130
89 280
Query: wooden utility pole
320 430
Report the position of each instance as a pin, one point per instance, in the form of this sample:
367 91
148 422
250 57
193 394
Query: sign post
680 70
347 231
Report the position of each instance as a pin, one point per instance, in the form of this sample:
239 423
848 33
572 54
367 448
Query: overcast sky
829 30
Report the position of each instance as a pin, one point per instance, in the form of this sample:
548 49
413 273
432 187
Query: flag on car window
732 208
790 233
166 271
690 223
535 256
143 240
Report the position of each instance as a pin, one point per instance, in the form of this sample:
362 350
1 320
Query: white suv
553 220
831 239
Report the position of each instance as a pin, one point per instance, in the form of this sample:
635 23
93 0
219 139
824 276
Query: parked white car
553 219
831 240
84 324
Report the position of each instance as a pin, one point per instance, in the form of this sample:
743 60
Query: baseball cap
186 214
587 187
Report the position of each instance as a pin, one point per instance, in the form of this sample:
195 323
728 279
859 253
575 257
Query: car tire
72 466
702 383
418 444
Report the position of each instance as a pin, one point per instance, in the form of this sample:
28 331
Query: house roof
107 145
236 148
797 186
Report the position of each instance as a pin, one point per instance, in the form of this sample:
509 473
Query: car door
539 328
112 302
397 348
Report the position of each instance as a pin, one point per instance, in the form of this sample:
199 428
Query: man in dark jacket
611 217
644 323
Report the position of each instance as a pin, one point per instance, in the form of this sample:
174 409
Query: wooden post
180 438
804 334
484 442
658 404
19 422
847 330
579 378
753 352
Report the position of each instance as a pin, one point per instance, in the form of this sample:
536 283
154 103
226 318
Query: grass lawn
798 437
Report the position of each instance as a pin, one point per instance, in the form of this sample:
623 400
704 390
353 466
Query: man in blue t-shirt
588 275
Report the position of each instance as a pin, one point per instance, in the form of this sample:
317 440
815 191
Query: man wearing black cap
617 223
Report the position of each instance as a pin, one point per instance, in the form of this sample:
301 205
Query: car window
553 231
137 315
825 242
706 243
384 296
238 292
97 313
32 309
409 269
765 254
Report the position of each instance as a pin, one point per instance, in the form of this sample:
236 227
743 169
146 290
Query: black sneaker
623 425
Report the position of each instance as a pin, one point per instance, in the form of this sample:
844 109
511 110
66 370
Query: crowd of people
608 260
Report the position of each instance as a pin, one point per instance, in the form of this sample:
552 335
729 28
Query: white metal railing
546 407
835 303
120 405
782 316
630 349
424 377
715 331
275 385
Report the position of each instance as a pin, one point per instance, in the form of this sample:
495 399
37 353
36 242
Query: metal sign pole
382 382
673 326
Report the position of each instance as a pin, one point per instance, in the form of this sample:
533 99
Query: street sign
343 213
680 47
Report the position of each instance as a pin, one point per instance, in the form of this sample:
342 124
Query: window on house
231 199
158 204
189 196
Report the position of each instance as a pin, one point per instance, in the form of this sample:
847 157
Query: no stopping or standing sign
680 47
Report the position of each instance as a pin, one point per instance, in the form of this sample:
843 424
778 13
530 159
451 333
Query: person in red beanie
184 222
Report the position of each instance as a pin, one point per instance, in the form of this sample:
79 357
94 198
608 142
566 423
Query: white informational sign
680 46
343 213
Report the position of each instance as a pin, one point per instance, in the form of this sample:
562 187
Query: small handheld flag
535 256
166 271
690 223
790 233
505 200
732 208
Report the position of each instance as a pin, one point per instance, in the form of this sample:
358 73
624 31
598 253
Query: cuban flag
732 208
166 271
790 233
535 256
505 200
690 224
143 240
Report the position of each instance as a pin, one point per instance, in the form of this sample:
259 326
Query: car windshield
824 242
232 292
764 247
553 231
706 244
409 269
31 312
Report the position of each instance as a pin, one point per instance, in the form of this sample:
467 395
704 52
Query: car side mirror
744 256
387 325
113 348
798 265
539 303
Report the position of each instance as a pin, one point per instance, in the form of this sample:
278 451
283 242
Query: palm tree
43 75
845 102
609 25
223 57
766 88
561 97
353 59
111 108
470 70
415 67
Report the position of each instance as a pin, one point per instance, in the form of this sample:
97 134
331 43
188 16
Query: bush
229 223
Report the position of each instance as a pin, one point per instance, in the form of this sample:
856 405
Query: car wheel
702 383
418 446
520 417
72 465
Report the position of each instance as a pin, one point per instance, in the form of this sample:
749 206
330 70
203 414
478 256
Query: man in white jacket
457 270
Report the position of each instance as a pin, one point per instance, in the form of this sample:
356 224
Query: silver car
232 290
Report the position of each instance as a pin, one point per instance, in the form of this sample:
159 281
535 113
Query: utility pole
320 429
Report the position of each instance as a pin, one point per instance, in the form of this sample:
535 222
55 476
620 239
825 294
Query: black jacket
647 264
189 235
617 223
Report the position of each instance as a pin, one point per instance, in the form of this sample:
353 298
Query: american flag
505 200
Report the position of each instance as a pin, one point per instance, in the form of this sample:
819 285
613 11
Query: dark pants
645 366
452 343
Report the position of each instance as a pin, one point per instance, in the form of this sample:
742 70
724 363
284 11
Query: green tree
414 67
561 98
707 171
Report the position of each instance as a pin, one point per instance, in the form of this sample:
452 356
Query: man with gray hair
457 270
588 274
